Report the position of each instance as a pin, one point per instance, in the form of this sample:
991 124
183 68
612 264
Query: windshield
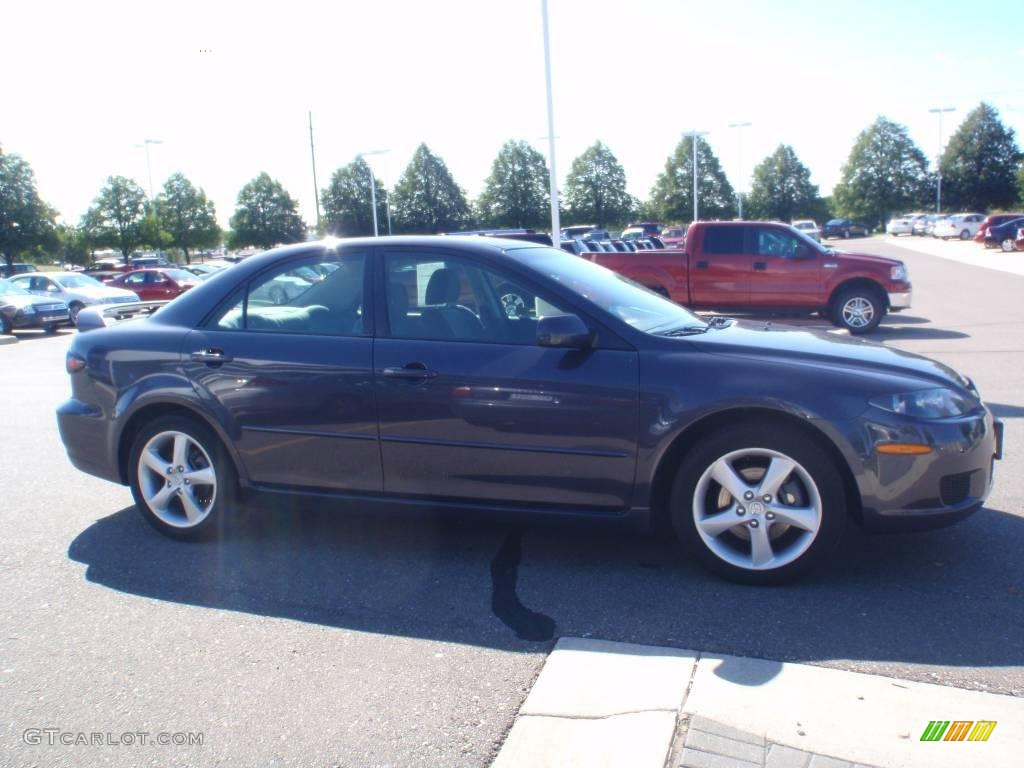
180 275
7 287
630 302
78 281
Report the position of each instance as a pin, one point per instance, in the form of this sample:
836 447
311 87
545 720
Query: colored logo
958 730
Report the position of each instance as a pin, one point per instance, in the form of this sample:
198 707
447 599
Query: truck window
774 242
723 240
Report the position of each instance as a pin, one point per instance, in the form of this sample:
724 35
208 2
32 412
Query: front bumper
900 300
914 492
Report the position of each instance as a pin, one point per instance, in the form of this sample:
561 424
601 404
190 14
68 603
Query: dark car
401 378
1005 235
844 228
21 309
994 220
18 268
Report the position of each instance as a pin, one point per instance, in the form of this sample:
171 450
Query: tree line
886 173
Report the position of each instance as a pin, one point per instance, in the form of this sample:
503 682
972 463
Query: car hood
833 350
866 259
20 301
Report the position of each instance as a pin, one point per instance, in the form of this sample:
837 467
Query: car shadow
943 597
890 332
32 334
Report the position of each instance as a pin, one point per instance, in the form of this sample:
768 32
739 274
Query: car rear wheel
1007 245
858 309
182 480
75 307
965 235
758 504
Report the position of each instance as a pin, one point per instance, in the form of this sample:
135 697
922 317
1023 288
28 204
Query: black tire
1007 245
814 476
75 307
210 454
5 326
965 235
51 328
858 297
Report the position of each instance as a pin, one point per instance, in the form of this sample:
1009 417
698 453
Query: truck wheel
858 309
182 480
757 504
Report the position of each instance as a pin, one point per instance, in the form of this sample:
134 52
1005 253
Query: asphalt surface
316 636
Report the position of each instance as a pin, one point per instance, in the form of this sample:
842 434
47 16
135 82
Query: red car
156 284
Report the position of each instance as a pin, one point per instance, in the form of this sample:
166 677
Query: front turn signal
903 449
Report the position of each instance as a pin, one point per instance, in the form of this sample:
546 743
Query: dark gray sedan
403 378
21 309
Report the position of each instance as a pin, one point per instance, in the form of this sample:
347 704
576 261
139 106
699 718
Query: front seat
444 317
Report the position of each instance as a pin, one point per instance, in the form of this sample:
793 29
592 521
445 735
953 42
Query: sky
227 87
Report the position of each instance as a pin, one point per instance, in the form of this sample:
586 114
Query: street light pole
373 188
739 163
312 157
694 135
149 168
556 225
938 161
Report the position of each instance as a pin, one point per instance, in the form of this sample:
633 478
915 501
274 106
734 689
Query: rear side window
723 240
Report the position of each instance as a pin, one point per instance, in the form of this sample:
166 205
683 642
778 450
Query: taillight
74 363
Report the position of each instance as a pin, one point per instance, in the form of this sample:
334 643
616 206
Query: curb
599 703
8 340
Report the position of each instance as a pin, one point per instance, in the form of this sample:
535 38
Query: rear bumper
84 433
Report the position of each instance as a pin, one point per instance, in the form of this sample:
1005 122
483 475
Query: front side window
442 297
322 295
774 242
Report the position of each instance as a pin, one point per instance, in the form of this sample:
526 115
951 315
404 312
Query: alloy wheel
177 479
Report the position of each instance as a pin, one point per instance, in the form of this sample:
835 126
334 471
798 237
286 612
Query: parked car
961 225
1005 234
767 266
982 235
903 225
77 290
18 268
934 221
585 231
416 388
809 227
844 228
156 284
673 236
633 233
21 309
922 224
649 227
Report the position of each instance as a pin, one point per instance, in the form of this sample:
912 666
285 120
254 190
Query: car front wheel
758 504
965 235
182 480
858 310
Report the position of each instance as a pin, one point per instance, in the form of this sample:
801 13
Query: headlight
899 272
939 403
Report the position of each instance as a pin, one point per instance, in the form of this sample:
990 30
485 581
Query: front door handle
210 356
760 266
702 265
411 371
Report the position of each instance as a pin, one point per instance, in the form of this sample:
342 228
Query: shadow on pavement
1003 411
946 597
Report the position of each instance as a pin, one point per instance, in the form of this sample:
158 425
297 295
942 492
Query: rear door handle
702 265
411 371
760 266
210 356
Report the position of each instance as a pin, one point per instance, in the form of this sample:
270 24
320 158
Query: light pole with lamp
938 160
149 168
739 163
694 135
373 187
556 225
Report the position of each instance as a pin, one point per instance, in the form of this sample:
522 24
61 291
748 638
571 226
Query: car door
786 273
720 267
293 382
137 283
472 409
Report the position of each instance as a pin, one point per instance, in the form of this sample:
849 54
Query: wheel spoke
716 525
723 474
778 471
159 500
154 461
192 510
804 518
204 476
180 450
761 552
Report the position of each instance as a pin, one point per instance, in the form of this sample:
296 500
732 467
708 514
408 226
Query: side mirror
802 252
564 331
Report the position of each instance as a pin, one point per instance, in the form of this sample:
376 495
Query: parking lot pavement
964 251
312 636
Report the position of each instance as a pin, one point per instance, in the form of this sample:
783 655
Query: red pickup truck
745 266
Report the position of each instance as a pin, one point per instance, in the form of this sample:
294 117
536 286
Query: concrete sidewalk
964 251
599 703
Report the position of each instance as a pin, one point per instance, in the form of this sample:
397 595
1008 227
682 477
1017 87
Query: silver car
809 227
75 289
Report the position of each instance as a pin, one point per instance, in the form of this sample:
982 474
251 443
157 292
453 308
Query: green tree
185 214
427 199
517 193
672 195
885 174
1020 185
348 201
117 215
266 216
979 166
595 190
74 245
26 222
782 188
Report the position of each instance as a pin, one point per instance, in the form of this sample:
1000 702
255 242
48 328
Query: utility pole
739 163
694 135
312 157
938 160
556 225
